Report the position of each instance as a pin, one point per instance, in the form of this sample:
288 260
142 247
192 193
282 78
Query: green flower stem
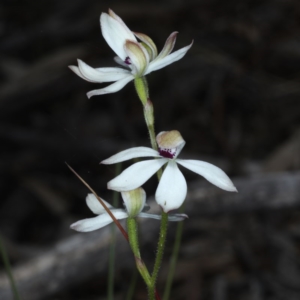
149 119
161 246
133 241
8 271
111 264
112 247
133 237
141 87
174 258
143 93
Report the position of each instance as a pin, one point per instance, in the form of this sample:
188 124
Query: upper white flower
172 188
135 203
139 58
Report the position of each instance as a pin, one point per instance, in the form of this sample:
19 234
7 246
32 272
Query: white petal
210 172
177 217
116 17
171 217
169 45
148 41
172 189
115 33
98 222
101 74
129 154
136 175
108 70
149 216
161 63
115 87
95 206
78 73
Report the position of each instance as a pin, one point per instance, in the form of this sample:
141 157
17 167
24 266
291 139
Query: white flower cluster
139 59
136 58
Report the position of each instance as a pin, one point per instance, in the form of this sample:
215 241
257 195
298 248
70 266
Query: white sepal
210 172
76 70
115 33
102 74
129 154
172 188
115 87
99 221
171 217
136 175
167 60
168 47
95 206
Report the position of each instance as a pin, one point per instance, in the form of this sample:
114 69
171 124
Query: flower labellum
172 188
170 143
137 58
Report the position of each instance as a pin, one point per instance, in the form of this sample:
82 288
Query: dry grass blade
102 203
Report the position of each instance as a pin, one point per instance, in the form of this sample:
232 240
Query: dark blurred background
235 99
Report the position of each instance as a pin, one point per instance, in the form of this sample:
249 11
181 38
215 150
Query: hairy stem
143 93
174 258
134 243
161 246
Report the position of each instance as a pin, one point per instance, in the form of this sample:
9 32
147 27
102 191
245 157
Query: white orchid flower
138 58
172 188
135 204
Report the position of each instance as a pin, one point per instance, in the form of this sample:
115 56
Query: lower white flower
172 188
135 204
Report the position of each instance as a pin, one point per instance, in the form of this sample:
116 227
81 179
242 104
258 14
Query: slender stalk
111 264
161 246
134 243
149 119
174 258
153 142
8 270
141 87
133 237
142 91
112 247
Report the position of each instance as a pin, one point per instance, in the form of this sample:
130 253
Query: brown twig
102 203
